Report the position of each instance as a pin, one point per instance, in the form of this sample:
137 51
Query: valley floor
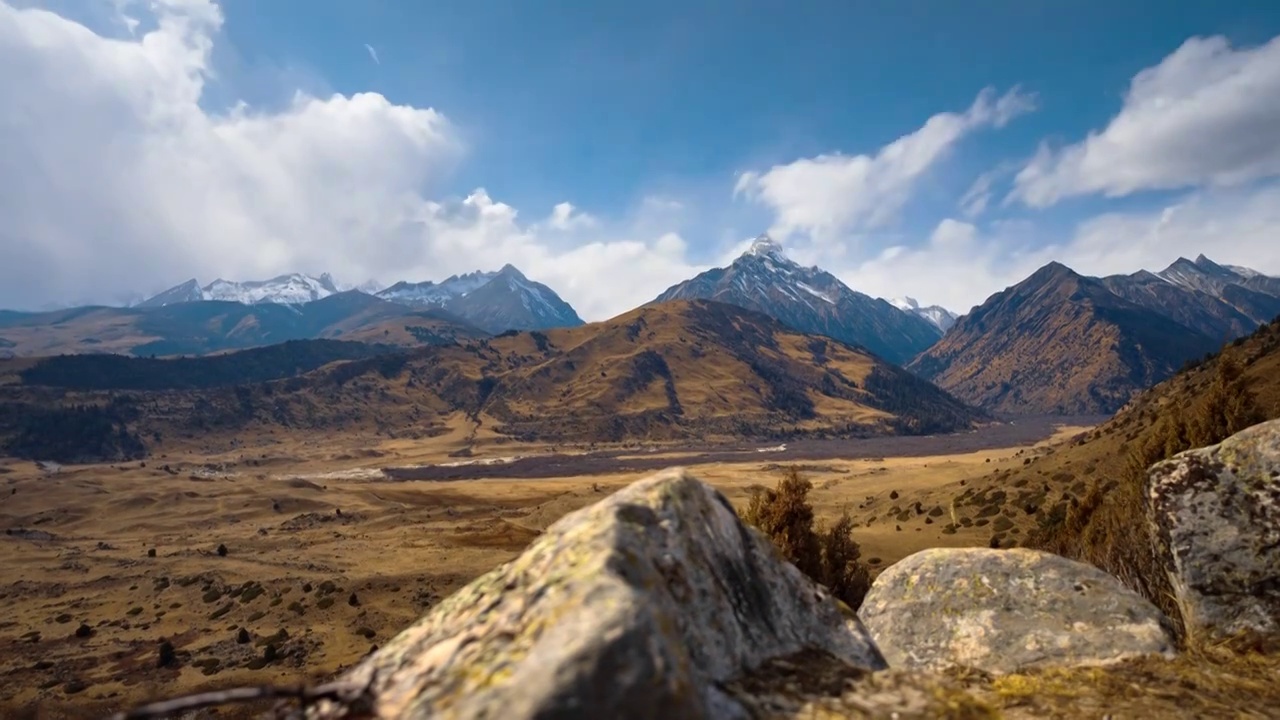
326 557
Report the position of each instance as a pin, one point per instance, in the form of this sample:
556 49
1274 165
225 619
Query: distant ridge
1060 342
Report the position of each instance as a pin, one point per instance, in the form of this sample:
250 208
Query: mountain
290 289
206 326
937 315
1059 343
810 300
1209 277
692 370
1201 311
493 301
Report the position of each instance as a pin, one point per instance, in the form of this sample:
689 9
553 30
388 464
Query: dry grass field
324 557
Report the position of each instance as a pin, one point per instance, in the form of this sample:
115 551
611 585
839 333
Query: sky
936 150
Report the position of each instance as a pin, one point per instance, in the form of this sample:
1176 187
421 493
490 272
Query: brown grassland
324 559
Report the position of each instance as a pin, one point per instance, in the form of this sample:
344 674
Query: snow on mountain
436 294
939 316
811 300
291 289
492 301
1209 277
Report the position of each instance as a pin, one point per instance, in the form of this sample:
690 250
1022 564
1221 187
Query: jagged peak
765 246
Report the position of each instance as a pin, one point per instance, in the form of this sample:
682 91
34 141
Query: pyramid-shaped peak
1208 265
765 246
510 270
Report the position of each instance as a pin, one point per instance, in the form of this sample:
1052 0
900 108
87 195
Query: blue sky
643 116
605 102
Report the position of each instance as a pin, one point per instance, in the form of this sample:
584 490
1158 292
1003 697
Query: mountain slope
1058 342
195 328
810 300
693 370
493 301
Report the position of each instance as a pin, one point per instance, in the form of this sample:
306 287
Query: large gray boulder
1007 610
641 606
1215 516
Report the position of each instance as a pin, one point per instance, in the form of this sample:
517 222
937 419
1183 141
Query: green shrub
828 555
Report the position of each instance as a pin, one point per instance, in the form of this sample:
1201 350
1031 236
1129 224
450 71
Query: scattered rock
1215 517
83 631
654 598
222 550
1001 611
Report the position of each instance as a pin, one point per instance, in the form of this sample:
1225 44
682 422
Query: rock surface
1003 611
1215 516
644 605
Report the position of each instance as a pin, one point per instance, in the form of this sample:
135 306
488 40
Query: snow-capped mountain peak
765 246
494 301
937 315
808 299
291 289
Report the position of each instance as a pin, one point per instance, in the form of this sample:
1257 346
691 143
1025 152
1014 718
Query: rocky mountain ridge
1061 342
810 300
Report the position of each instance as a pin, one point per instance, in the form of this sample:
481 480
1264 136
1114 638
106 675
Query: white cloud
1208 114
565 217
114 180
829 196
957 268
961 265
373 54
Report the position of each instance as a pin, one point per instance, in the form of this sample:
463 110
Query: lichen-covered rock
1215 516
1007 610
641 606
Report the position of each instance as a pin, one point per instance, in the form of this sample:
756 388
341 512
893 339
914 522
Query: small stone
1003 611
83 631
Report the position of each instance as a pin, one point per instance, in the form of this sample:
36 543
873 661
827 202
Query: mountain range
683 369
1061 342
1056 343
490 301
811 300
493 301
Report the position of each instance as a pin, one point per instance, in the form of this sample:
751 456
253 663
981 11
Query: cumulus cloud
114 180
828 196
1207 115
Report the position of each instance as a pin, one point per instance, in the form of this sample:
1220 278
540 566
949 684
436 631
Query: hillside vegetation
1101 475
678 370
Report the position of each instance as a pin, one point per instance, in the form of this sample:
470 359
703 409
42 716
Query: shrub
828 555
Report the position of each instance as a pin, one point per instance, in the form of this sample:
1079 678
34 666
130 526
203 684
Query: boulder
643 605
1003 611
1215 517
